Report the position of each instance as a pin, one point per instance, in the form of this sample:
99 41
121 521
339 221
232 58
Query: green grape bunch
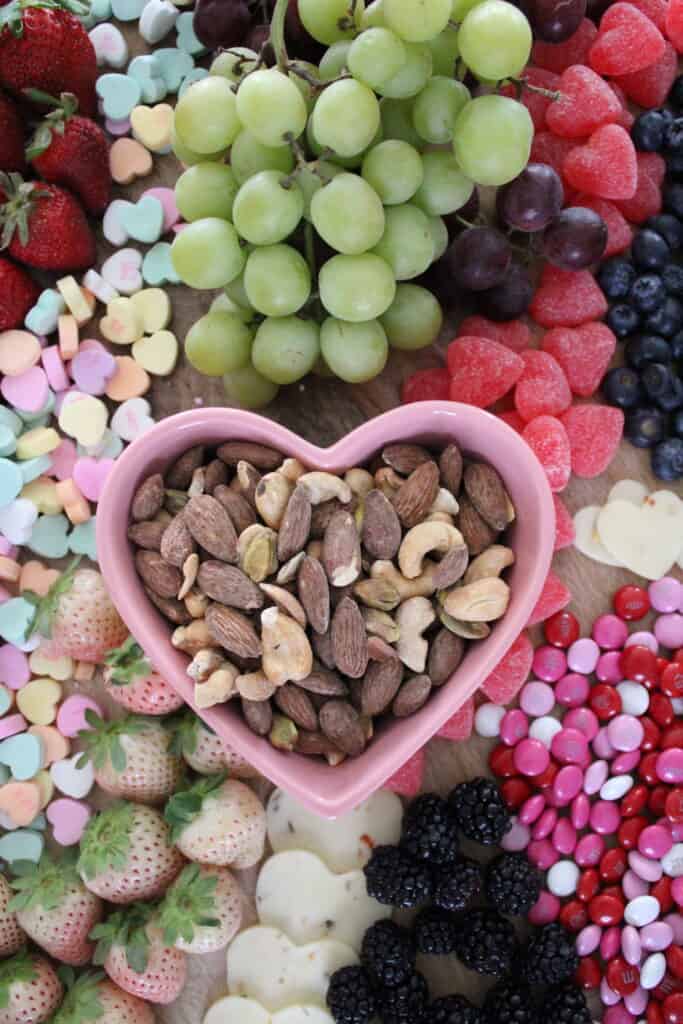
315 196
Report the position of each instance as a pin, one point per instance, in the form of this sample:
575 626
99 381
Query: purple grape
532 200
221 23
256 37
299 43
575 239
553 21
479 258
468 213
510 298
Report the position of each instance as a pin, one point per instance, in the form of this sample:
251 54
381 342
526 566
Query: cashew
190 570
287 603
196 603
360 481
292 469
388 481
380 624
489 563
191 639
257 552
289 571
381 594
272 494
197 483
466 630
421 539
482 601
204 663
413 618
246 481
255 686
440 517
421 586
218 688
445 502
287 654
325 486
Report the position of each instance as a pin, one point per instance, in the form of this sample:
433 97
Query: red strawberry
126 854
131 758
55 909
93 998
12 937
72 151
131 948
130 680
44 226
30 990
204 751
11 136
44 46
18 292
202 911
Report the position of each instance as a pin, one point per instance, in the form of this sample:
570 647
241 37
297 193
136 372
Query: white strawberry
204 751
203 909
130 680
131 947
92 997
218 822
12 938
30 990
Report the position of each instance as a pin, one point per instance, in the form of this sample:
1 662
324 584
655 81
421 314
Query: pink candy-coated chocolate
630 945
545 824
589 850
569 746
542 853
537 699
550 663
656 937
607 669
14 667
643 638
605 817
588 939
580 811
617 1014
609 632
669 765
531 757
583 719
625 732
583 655
669 630
564 837
545 910
568 783
610 942
513 727
531 809
655 841
625 762
608 997
571 691
11 725
636 1002
602 746
647 869
665 594
633 885
595 777
675 921
516 838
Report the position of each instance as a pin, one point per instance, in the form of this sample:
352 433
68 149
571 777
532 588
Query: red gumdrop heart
548 440
594 433
511 672
567 298
625 118
407 781
542 390
558 56
513 334
554 597
619 233
482 371
627 41
459 726
673 24
535 102
647 199
584 353
650 87
427 386
564 525
586 102
551 149
605 166
513 419
655 10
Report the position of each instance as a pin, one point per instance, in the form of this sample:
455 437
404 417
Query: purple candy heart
92 370
14 667
90 476
28 391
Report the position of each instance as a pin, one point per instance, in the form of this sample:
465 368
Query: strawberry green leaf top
65 108
189 902
15 212
18 968
46 606
127 663
184 729
105 843
44 884
128 929
184 807
102 740
82 1002
11 14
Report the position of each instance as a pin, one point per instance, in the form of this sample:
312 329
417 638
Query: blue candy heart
119 95
23 755
157 268
42 318
187 40
49 537
175 66
16 615
144 220
21 845
147 72
82 539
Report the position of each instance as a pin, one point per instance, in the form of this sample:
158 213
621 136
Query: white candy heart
99 287
236 1010
628 490
587 539
70 780
111 49
344 843
647 539
157 19
123 271
132 419
112 227
17 519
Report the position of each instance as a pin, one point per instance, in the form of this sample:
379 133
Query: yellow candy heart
42 492
123 324
39 441
84 419
76 300
46 787
153 307
152 126
158 354
38 700
57 668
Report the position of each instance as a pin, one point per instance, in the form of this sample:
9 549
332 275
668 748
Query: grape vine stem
277 34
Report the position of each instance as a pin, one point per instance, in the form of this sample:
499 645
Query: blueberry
677 425
676 93
649 250
667 319
649 131
673 199
676 346
656 379
645 427
668 226
615 277
646 348
673 136
672 399
672 276
667 459
623 319
674 164
647 293
621 387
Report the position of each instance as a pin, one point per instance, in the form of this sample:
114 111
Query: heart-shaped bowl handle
332 790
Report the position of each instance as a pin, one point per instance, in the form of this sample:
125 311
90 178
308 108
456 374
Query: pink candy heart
90 476
14 667
68 819
166 197
92 370
28 391
63 460
71 715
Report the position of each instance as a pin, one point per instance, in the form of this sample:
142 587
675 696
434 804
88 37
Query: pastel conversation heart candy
49 536
12 725
166 197
23 755
153 308
119 95
84 418
110 447
157 354
19 351
91 371
110 46
90 476
21 801
11 482
144 220
157 268
112 225
23 844
127 10
132 419
129 160
129 381
63 459
37 578
152 126
56 747
17 520
27 392
147 72
100 10
122 325
31 469
174 66
156 20
70 779
187 39
83 539
46 788
14 667
68 819
6 700
8 418
99 287
71 715
42 318
122 270
38 701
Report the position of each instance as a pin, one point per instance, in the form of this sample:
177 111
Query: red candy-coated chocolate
622 978
672 736
574 916
678 656
561 629
651 734
647 769
589 885
671 681
653 1014
657 800
634 801
673 806
638 663
661 709
661 891
668 986
631 603
546 778
515 792
674 961
662 663
501 762
589 974
606 910
672 1009
628 832
605 701
613 864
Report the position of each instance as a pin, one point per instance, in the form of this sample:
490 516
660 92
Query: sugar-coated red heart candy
650 87
619 232
567 298
605 166
547 148
554 597
594 433
586 102
584 353
548 440
558 56
535 102
511 672
513 334
673 24
459 726
513 419
407 781
482 370
655 10
564 525
625 118
627 41
427 386
647 199
542 390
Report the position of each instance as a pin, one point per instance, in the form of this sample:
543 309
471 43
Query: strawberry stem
126 663
46 607
56 121
102 741
183 808
10 15
82 1002
44 884
189 903
105 843
19 968
127 928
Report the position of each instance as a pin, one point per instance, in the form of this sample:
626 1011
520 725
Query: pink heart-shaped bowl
332 790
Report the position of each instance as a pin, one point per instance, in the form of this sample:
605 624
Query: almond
405 458
237 507
177 543
233 631
246 481
452 567
450 466
486 491
349 639
380 685
288 572
417 495
258 455
321 516
297 705
445 654
379 649
179 476
314 743
381 526
157 574
215 475
211 527
342 724
324 683
174 610
341 550
477 533
258 715
295 526
412 696
322 646
229 586
148 499
314 594
286 602
147 535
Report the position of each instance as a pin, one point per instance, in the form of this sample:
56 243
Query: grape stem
277 34
522 83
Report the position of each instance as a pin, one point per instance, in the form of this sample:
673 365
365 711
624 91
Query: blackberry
480 811
550 957
454 1010
458 884
429 830
388 953
512 884
510 1003
395 879
567 1005
435 932
350 996
404 1004
486 942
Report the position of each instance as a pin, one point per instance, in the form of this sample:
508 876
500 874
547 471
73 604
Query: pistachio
256 552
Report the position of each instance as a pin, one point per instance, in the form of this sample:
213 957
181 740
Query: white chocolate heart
587 539
647 540
236 1010
628 490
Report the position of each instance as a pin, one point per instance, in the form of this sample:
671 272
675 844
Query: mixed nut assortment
318 601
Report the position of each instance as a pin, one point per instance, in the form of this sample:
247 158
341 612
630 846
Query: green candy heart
146 71
8 441
31 469
175 65
110 447
82 540
49 537
16 616
39 822
23 755
22 844
42 318
119 95
157 268
127 10
144 220
8 418
187 40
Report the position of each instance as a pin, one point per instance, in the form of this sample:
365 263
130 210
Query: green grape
206 190
394 170
207 254
348 214
304 87
328 21
321 369
487 118
373 16
277 280
265 211
356 288
224 304
414 319
445 51
249 389
375 56
219 343
356 352
237 293
348 162
286 348
436 108
271 107
333 61
462 8
206 117
189 157
412 77
495 40
346 117
440 235
445 188
417 20
397 121
234 63
248 156
311 177
407 243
